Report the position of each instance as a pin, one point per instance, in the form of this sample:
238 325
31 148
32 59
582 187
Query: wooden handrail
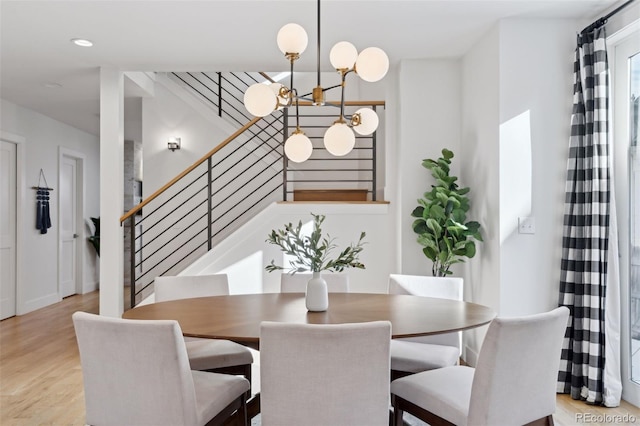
189 169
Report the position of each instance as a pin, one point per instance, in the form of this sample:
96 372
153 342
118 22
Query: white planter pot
317 297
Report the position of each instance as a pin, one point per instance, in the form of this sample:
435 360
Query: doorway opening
71 223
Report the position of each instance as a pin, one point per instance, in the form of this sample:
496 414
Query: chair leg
397 412
544 421
247 375
242 411
397 417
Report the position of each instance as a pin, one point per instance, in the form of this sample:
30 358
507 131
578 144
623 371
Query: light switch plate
526 225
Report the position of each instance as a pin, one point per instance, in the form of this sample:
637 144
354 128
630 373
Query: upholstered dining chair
337 282
415 354
318 375
513 383
213 355
136 372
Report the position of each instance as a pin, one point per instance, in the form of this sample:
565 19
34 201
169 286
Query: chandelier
371 65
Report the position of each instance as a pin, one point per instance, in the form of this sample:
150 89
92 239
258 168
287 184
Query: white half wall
43 137
245 254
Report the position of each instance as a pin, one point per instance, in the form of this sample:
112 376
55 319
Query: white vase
317 297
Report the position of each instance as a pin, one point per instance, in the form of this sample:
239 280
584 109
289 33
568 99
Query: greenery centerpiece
312 253
441 219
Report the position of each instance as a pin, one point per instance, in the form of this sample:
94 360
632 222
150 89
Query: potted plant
95 238
312 253
441 219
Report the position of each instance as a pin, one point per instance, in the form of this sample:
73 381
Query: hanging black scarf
43 217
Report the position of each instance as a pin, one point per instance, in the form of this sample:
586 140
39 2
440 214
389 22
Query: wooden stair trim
330 195
333 202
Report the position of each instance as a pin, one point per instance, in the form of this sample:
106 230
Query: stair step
330 195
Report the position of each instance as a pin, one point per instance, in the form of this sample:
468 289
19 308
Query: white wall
480 88
244 256
517 85
536 65
166 115
43 138
428 120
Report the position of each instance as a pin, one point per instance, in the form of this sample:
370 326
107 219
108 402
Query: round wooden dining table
238 317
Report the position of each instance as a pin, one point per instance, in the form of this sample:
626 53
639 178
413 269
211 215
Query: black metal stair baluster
132 259
285 161
219 94
374 162
209 183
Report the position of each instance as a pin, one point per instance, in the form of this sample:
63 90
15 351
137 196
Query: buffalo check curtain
585 238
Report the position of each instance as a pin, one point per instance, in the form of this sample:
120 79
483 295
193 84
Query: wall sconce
173 144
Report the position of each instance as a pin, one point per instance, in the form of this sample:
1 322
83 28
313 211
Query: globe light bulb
372 64
339 139
292 38
298 147
368 122
260 100
343 55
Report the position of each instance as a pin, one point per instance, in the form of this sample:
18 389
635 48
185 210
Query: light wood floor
41 379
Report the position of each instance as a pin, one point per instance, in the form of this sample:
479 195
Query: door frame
19 141
80 199
630 389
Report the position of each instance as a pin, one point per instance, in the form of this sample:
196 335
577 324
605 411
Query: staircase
238 178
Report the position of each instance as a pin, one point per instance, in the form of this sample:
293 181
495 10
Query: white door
7 230
68 226
626 95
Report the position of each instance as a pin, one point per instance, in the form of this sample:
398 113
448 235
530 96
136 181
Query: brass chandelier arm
324 90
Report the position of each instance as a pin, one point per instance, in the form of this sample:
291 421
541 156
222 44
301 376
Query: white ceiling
219 35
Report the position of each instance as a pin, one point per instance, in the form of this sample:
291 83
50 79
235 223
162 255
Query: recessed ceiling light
82 42
52 85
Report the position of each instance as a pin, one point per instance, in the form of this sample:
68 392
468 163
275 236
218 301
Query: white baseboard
89 287
41 302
